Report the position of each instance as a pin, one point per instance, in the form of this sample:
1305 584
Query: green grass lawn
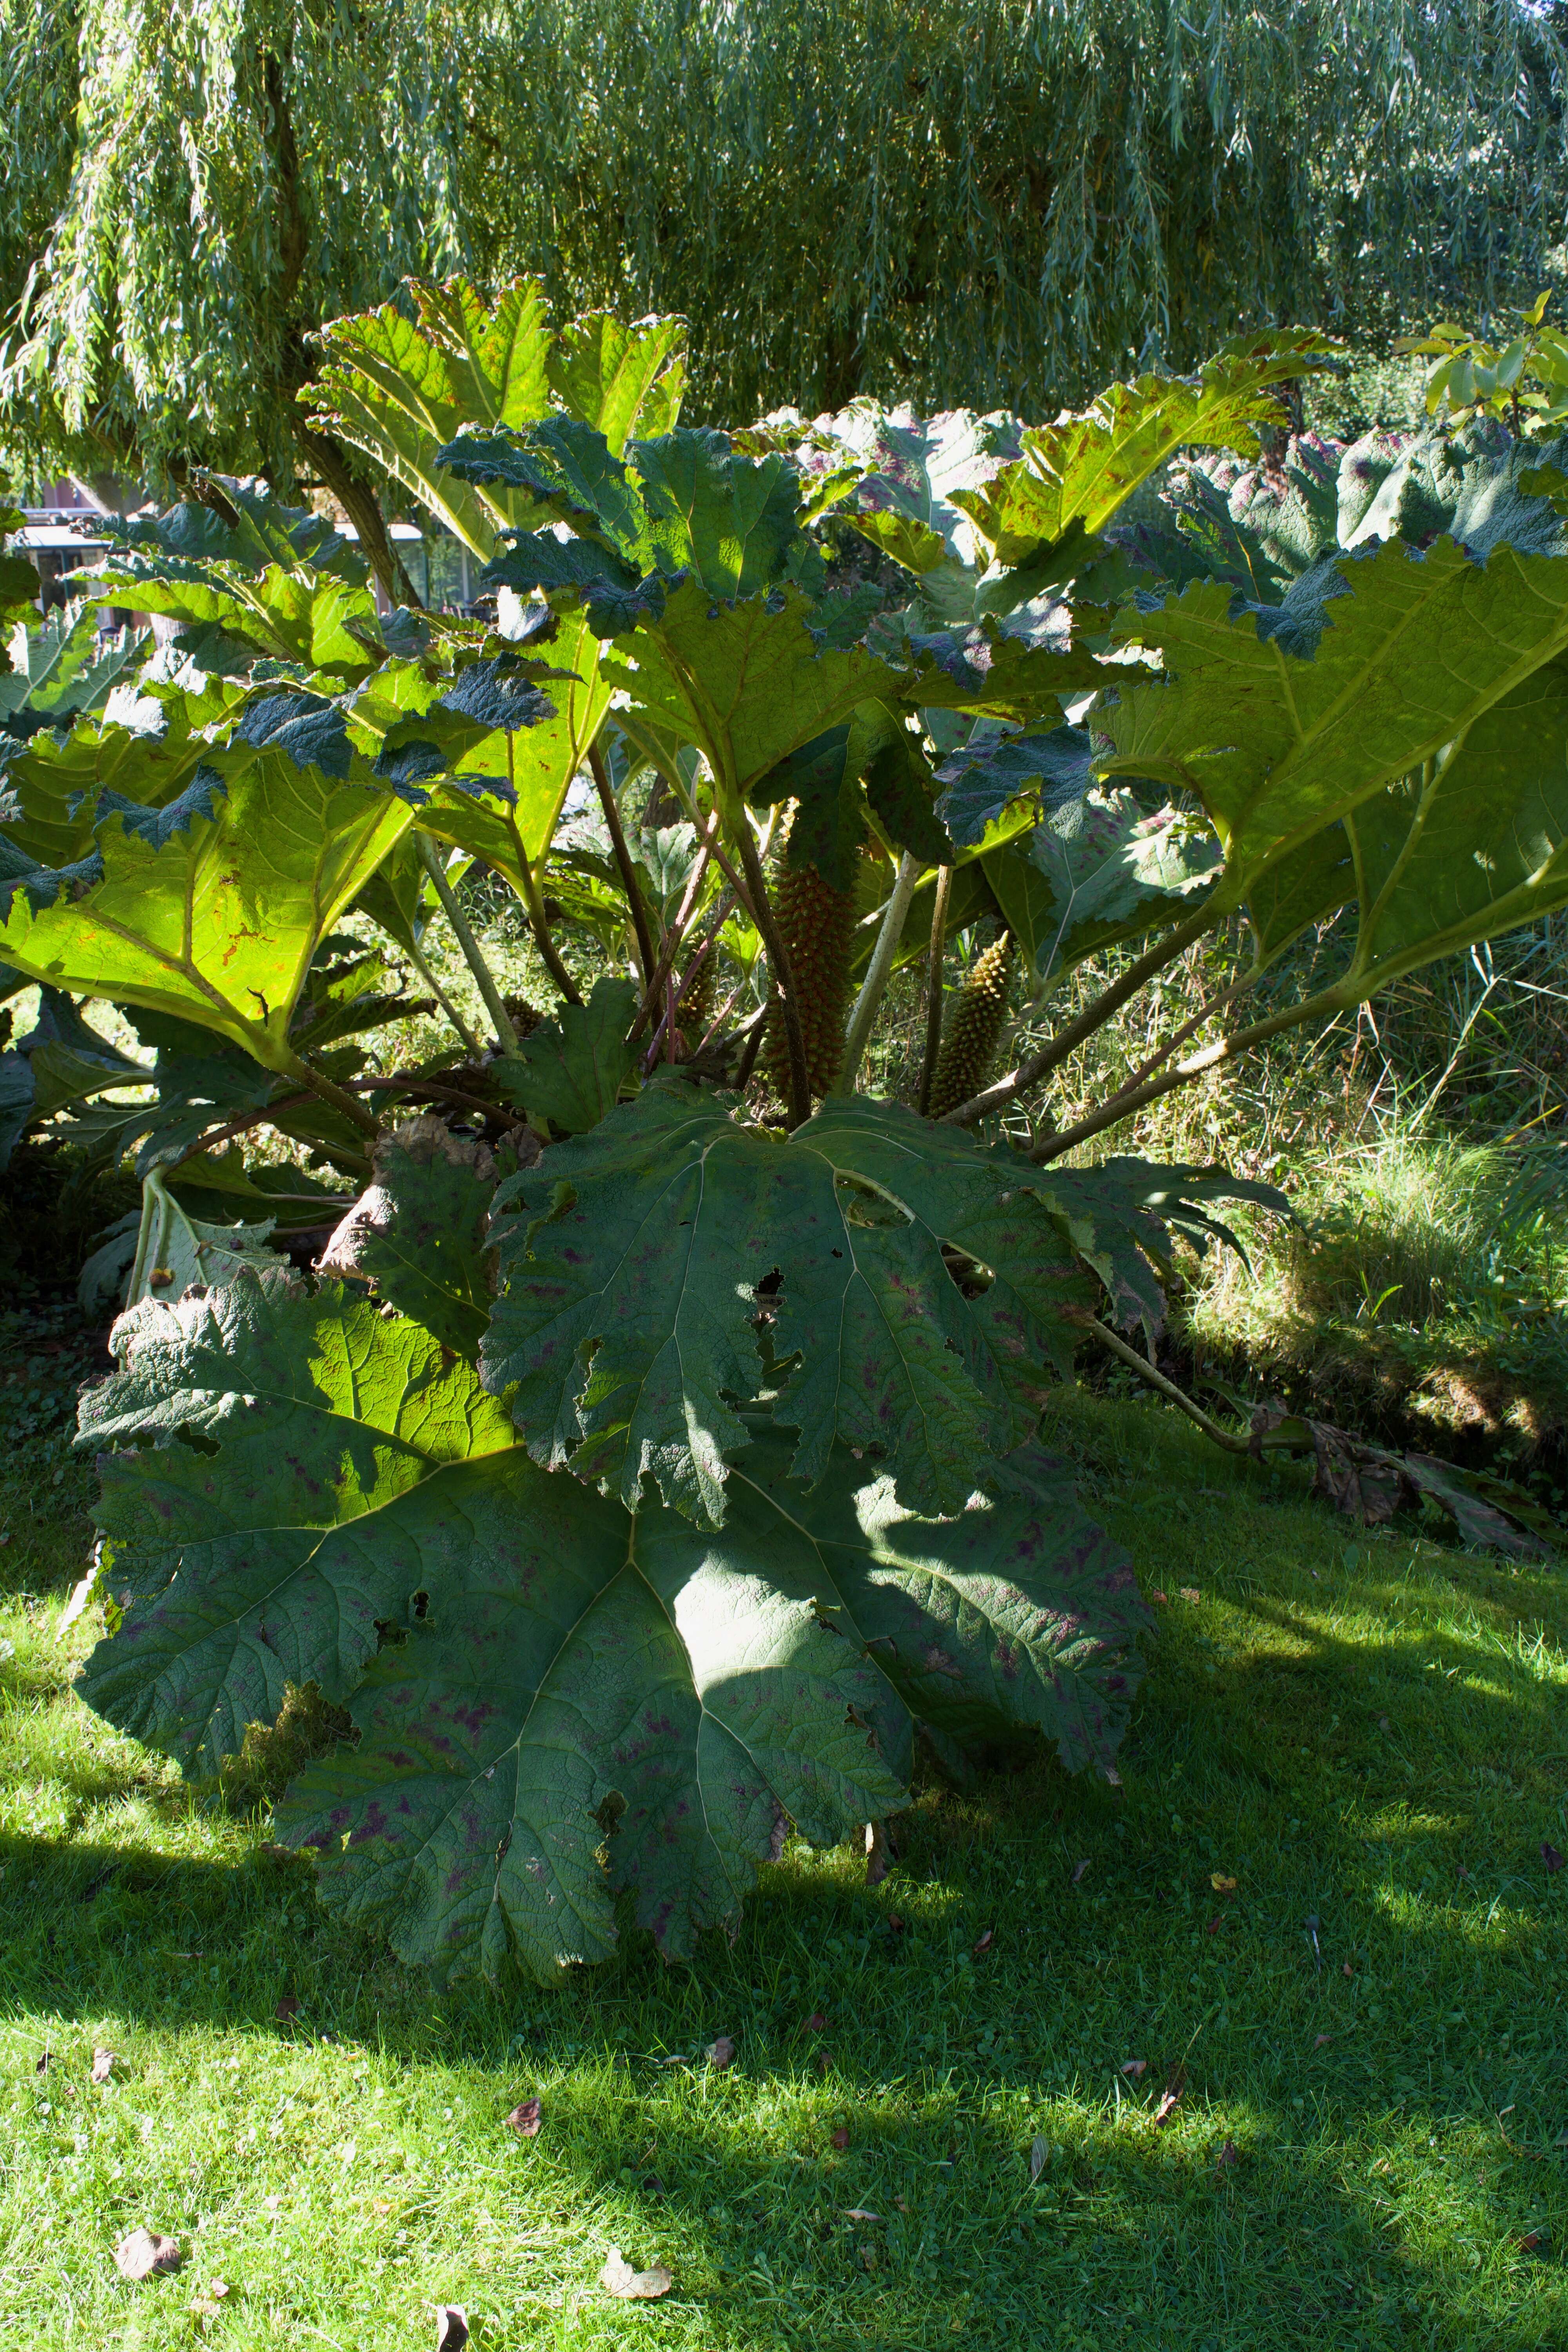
1371 2143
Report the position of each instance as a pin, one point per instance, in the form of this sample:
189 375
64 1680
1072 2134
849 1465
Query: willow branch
934 982
880 969
484 978
1065 1042
623 856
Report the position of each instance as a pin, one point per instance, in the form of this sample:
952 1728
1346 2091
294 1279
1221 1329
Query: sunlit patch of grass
1368 1734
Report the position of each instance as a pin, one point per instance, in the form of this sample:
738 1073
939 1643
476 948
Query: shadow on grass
1372 1747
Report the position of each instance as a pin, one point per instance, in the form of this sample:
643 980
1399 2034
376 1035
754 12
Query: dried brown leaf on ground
1133 2067
860 2213
1039 2149
145 2254
722 2054
1078 1870
618 2278
1549 1856
451 2327
1226 2156
287 2008
103 2064
983 1941
841 2138
1221 1884
44 2060
816 2022
524 2119
1170 2096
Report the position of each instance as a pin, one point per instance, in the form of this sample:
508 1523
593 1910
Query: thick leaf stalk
817 925
973 1028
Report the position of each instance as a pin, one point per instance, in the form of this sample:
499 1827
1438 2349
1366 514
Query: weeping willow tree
191 190
995 200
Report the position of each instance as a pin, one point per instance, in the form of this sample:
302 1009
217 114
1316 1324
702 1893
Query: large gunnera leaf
1281 718
554 1701
644 1253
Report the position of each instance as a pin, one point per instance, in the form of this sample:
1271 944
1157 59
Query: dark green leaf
569 1072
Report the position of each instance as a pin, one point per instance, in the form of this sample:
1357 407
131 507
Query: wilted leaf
287 2008
1039 2155
1134 2067
1079 1869
144 2254
880 1855
451 2327
1321 2040
983 1941
1549 1856
618 2278
840 2138
817 2022
1226 2155
44 2061
1221 1884
859 2213
1532 2242
418 1234
720 2054
524 2119
1170 2096
103 2064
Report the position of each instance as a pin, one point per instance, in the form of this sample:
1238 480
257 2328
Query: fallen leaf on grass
1532 2242
103 2064
1228 2154
1189 1592
841 2139
451 2327
618 2278
1214 1926
524 2119
816 2022
1161 1598
44 2060
1170 2096
1549 1856
880 1853
1221 1884
287 2008
1039 2149
859 2213
1320 2039
1133 2067
1078 1870
895 1926
720 2054
1346 1970
983 1942
900 2202
145 2254
1384 1724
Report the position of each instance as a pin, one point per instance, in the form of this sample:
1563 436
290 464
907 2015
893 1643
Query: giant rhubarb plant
651 1455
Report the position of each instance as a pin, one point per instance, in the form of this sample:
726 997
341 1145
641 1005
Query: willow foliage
997 202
